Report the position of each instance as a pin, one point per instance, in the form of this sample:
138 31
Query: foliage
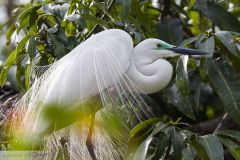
201 89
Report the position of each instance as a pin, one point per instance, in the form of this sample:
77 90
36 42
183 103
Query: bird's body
107 65
87 69
101 61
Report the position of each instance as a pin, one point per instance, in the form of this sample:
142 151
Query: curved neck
149 70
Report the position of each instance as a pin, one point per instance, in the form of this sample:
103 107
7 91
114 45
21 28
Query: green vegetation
199 111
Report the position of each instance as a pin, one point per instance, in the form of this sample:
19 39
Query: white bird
108 65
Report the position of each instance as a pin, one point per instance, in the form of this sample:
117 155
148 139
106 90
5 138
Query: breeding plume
105 67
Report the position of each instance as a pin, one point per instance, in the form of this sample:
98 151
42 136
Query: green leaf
163 141
177 144
33 22
207 46
8 63
227 40
184 103
201 5
57 46
24 19
20 76
10 32
170 30
228 47
51 19
182 80
48 19
141 151
123 9
227 85
232 147
201 37
31 47
142 136
21 46
2 25
230 133
27 76
188 153
143 126
73 17
189 41
94 21
70 29
208 147
11 59
220 17
3 76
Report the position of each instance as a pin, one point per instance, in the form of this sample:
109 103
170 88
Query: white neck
149 70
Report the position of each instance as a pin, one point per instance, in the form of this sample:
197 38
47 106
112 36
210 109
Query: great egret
108 65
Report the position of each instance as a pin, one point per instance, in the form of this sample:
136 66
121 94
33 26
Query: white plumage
107 65
88 64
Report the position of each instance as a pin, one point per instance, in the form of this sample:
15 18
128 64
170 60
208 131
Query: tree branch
221 122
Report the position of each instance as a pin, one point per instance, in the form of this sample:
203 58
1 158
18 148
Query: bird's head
149 68
160 49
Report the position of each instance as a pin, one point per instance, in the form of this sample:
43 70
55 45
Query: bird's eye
159 45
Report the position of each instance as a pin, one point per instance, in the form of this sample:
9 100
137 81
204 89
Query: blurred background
205 97
6 7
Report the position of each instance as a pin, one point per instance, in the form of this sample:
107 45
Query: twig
209 126
220 122
89 143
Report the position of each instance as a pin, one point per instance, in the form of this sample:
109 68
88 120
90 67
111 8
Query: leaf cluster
41 32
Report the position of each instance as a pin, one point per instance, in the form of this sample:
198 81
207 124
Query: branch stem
89 143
